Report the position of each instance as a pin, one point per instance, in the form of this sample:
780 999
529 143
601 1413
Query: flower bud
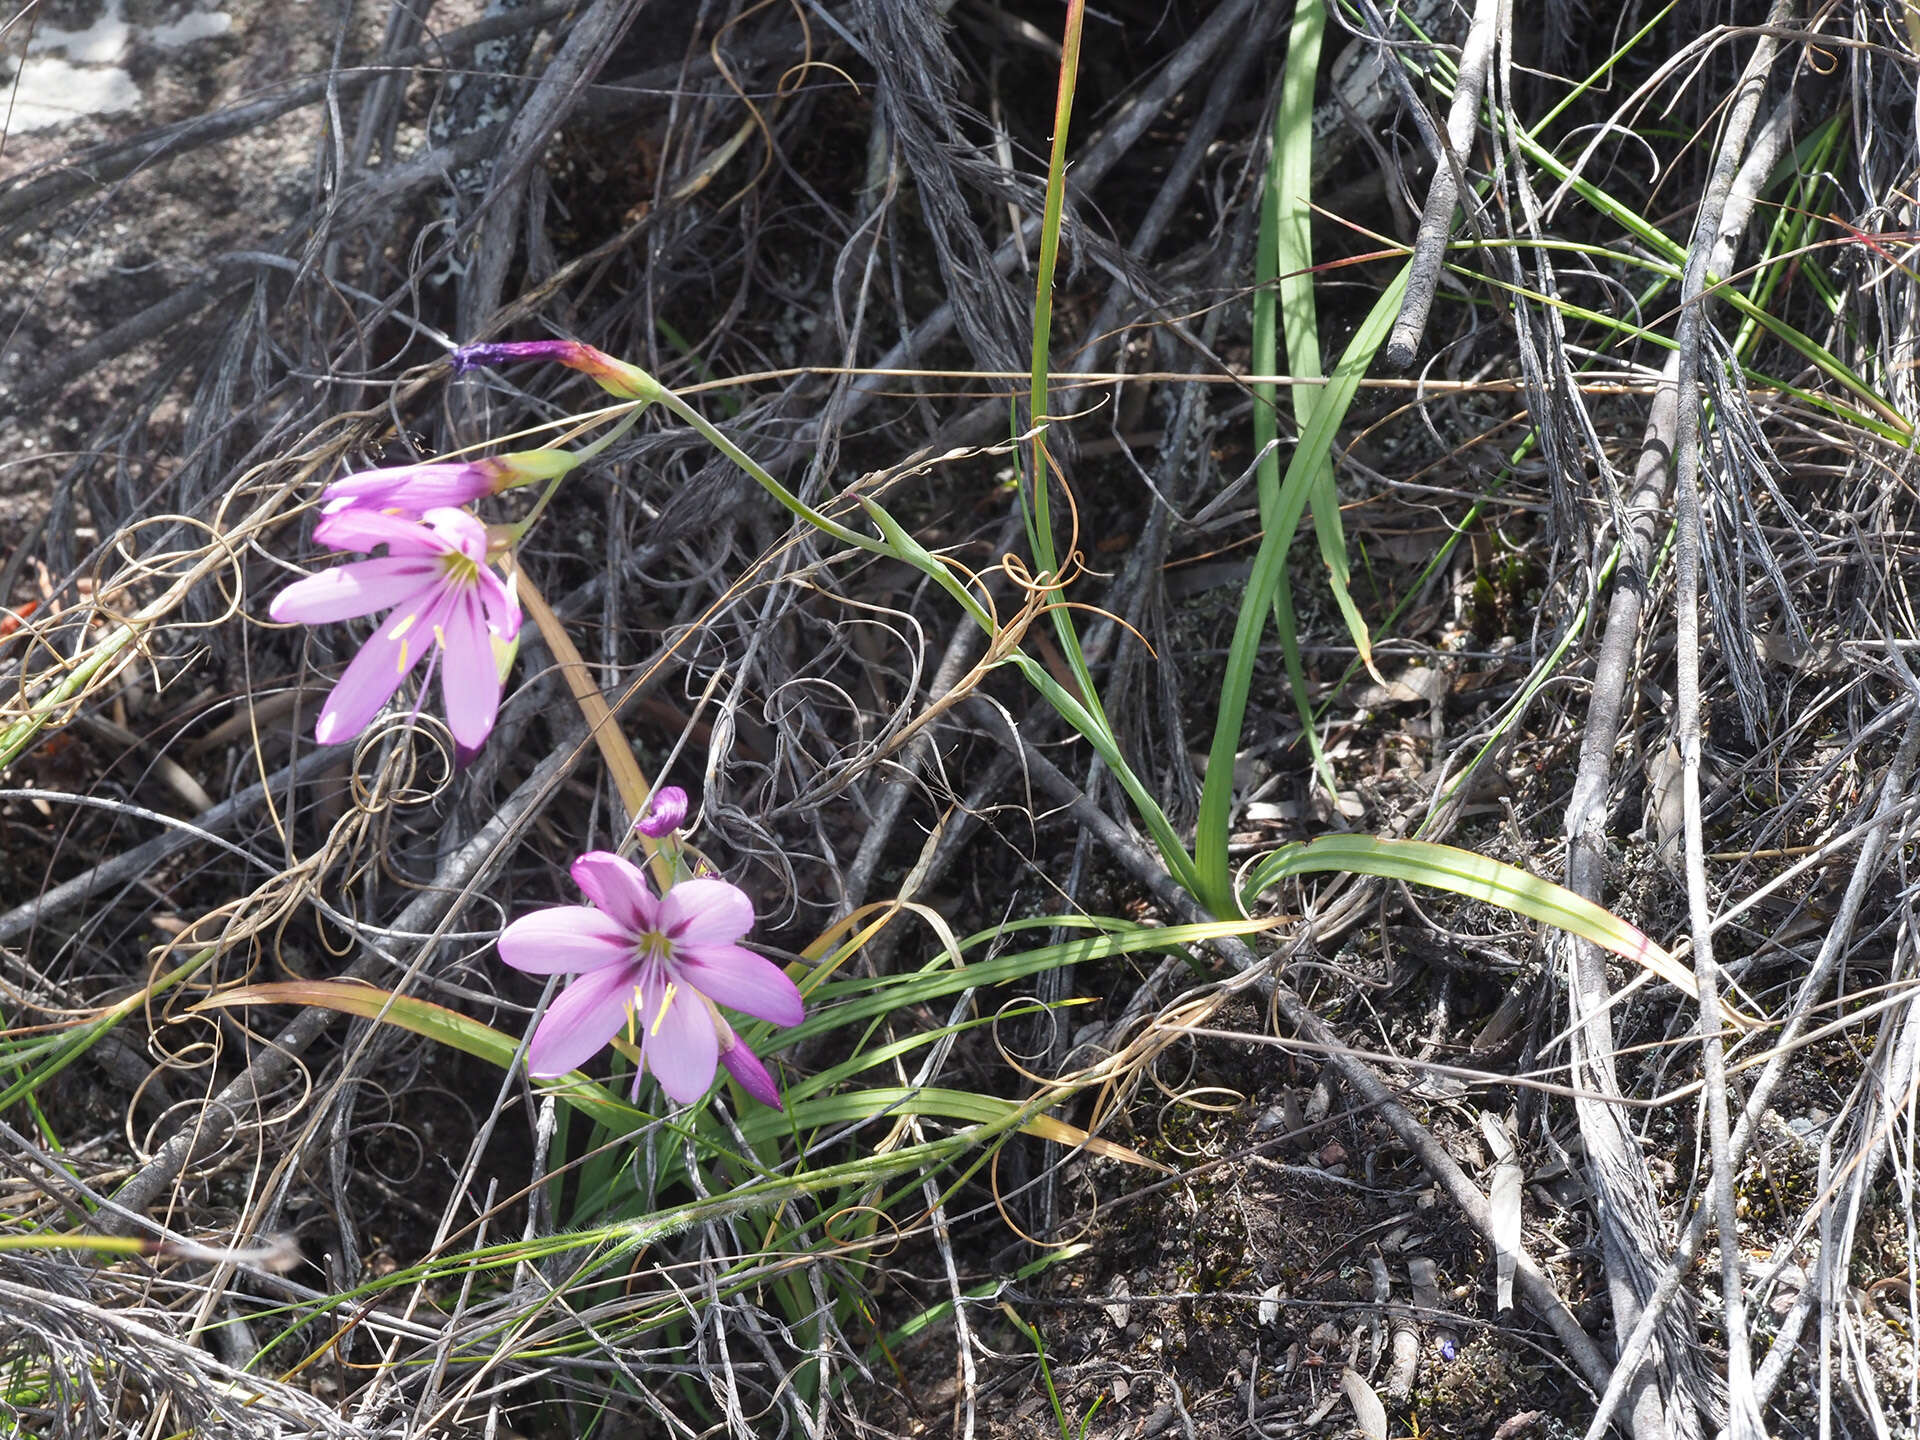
746 1068
616 377
664 815
412 490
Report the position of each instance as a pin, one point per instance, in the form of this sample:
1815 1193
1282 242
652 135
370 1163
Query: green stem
1043 546
773 487
580 457
20 734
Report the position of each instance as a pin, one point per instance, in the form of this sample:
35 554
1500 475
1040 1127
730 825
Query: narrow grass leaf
1447 867
435 1022
1214 881
1284 272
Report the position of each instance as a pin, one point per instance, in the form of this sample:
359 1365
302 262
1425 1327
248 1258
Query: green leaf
1447 867
1213 874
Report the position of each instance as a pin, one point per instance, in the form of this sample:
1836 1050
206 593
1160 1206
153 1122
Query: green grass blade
1447 867
435 1022
1038 473
1215 880
1284 271
1283 287
1040 508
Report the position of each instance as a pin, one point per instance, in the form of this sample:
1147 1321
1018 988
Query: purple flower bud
664 815
616 377
745 1066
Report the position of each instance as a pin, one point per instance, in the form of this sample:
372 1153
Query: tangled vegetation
1293 622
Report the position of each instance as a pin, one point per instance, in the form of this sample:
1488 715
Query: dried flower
434 577
616 377
412 490
657 968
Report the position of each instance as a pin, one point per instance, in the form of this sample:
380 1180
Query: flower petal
362 529
461 530
680 1045
469 680
376 672
412 488
617 887
580 1021
360 588
741 980
565 940
745 1067
705 912
502 604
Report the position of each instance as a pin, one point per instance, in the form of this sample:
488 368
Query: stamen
666 999
401 667
439 637
404 626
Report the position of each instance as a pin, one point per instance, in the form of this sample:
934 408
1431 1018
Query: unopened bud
664 815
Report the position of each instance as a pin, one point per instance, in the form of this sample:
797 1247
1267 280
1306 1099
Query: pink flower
656 967
434 577
616 377
412 490
664 815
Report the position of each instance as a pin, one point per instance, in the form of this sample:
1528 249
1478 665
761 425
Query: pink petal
362 529
680 1045
360 588
409 487
580 1021
705 912
462 531
565 940
469 680
741 980
618 888
376 672
746 1068
503 606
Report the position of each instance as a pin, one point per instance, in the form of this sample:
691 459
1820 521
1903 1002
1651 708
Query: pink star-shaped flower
660 965
434 577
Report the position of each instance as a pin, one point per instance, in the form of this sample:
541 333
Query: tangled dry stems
818 700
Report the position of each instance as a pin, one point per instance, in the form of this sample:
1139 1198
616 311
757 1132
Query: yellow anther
401 667
666 999
404 626
439 637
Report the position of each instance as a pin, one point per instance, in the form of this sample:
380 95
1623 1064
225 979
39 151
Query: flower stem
773 487
580 457
615 750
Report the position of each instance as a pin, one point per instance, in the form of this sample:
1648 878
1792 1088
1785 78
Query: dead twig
1448 185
